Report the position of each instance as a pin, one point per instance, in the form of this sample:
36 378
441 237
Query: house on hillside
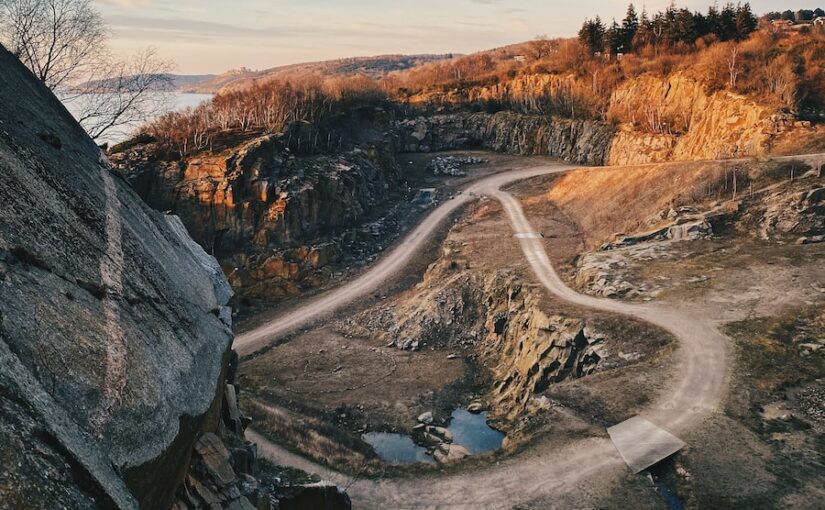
520 58
820 21
782 24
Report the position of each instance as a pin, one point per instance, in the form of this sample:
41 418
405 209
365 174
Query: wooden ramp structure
642 443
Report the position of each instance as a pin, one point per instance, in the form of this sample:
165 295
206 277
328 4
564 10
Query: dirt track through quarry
695 391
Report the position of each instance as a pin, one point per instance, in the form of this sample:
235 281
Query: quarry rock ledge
577 141
59 304
276 221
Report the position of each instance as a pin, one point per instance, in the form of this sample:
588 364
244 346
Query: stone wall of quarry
650 119
495 317
578 141
279 223
277 218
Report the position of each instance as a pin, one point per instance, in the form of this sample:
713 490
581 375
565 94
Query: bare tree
57 40
733 66
541 47
129 93
64 43
594 67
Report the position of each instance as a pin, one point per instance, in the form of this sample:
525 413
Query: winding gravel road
387 267
696 388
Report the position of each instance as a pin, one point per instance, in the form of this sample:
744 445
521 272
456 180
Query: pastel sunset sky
211 36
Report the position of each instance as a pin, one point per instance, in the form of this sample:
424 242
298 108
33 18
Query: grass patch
314 438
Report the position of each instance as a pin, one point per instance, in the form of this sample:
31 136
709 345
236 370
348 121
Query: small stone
442 433
450 453
475 407
426 418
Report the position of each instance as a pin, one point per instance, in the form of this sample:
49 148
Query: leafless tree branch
63 42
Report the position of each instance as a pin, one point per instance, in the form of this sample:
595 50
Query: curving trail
387 267
695 390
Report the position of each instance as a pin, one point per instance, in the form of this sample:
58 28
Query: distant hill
374 67
179 82
182 81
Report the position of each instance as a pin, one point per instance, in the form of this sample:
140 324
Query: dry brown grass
811 142
604 201
312 437
609 200
776 70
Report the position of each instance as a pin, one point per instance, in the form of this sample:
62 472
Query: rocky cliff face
273 219
113 331
524 347
650 119
579 141
675 118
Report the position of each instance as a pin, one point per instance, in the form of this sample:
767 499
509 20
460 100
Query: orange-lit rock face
647 119
674 118
263 211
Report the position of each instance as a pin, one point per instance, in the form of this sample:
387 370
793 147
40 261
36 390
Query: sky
212 36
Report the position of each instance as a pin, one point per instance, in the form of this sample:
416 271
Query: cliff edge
114 338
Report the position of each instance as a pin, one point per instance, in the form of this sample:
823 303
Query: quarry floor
325 383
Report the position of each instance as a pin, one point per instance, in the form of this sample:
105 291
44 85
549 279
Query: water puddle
672 500
397 448
467 429
472 432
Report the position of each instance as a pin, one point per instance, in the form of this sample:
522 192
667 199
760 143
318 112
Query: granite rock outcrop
114 334
273 219
578 141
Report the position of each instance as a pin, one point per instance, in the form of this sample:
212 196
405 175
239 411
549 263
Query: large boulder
112 347
321 496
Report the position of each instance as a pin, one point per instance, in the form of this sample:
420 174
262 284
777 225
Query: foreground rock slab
111 338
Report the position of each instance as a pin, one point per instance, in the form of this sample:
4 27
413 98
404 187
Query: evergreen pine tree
630 25
591 35
746 22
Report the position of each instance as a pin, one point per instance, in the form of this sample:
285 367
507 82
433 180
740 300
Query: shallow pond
396 448
472 432
469 430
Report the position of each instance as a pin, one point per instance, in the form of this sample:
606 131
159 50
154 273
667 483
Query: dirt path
387 267
394 261
695 391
